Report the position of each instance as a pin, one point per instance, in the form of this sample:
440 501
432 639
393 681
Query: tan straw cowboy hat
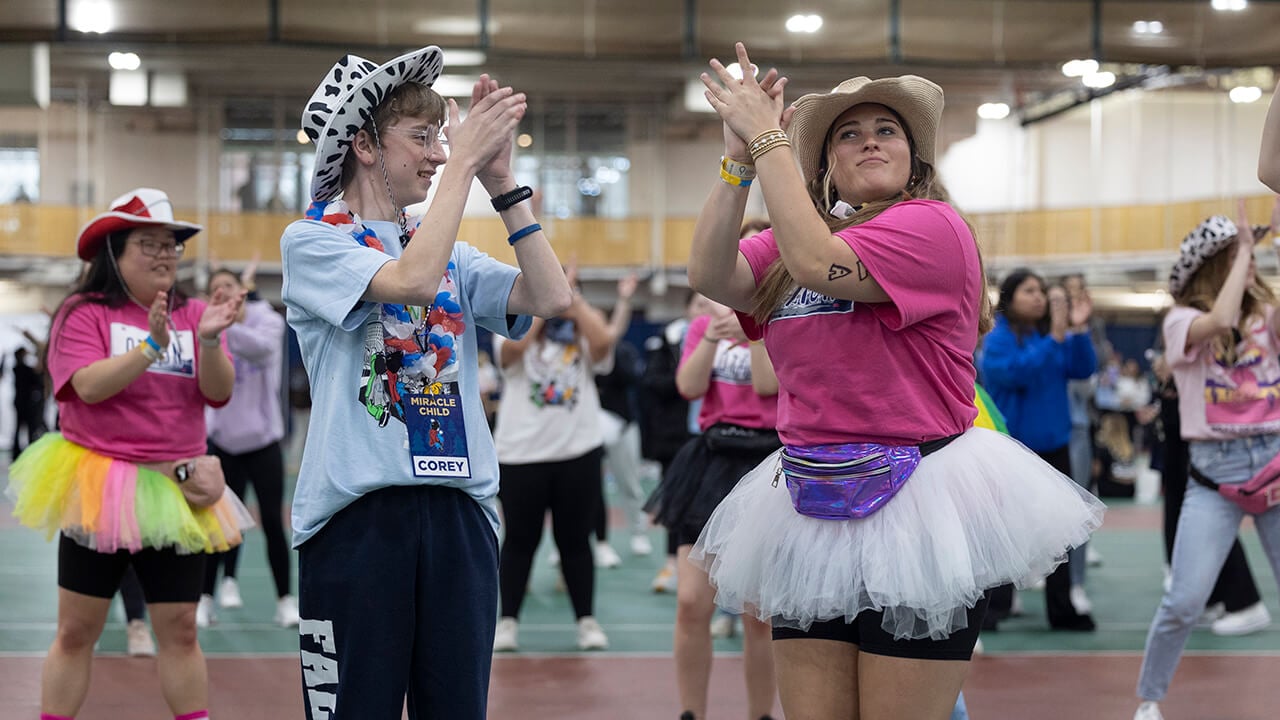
918 101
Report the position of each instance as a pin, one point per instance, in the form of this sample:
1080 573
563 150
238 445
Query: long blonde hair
778 285
1201 291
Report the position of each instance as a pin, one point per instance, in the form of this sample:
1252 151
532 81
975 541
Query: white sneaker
139 639
506 634
1243 622
665 580
1212 614
229 594
640 545
1092 557
1080 600
287 612
722 626
591 636
205 616
606 556
1148 711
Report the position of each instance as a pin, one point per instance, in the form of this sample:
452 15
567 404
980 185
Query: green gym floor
1026 672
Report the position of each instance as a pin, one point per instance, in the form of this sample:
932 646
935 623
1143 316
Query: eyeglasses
429 136
156 248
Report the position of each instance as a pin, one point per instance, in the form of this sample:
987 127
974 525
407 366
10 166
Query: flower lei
414 349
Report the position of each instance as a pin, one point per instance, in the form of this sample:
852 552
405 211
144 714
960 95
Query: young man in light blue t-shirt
394 515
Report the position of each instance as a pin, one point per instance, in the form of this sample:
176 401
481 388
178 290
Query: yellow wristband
734 180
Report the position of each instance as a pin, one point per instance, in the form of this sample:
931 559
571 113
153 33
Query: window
19 169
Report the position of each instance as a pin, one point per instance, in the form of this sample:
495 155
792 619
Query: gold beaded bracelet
766 141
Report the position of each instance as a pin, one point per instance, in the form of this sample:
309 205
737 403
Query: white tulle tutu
981 512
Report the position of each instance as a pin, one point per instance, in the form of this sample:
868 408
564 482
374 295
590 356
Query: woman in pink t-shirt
1222 343
869 540
739 391
134 363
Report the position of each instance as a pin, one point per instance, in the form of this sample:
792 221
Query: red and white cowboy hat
143 207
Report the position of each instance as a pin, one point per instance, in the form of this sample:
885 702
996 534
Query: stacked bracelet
738 174
514 237
766 141
215 341
149 352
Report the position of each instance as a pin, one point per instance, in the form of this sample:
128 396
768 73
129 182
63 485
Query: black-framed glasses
157 248
429 136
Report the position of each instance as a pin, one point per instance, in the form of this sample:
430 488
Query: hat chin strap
386 178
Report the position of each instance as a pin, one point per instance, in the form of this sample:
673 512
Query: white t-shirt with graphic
550 409
1217 400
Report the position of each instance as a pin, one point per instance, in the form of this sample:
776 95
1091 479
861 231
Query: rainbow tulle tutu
110 505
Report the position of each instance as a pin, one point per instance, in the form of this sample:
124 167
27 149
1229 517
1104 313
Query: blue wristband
154 345
528 230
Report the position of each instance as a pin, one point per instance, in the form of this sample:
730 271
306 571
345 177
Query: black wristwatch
183 471
507 200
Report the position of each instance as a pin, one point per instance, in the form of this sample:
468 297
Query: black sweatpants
570 489
398 595
264 469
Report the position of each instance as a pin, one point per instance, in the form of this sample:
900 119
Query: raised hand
627 286
1081 309
158 319
748 107
221 312
726 327
1058 312
250 272
483 140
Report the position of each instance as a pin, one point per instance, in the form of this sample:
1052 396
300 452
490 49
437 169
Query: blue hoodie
1027 378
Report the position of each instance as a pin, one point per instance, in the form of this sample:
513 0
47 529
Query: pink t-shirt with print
899 372
159 416
1216 400
730 397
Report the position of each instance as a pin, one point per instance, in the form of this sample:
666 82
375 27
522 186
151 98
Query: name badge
437 432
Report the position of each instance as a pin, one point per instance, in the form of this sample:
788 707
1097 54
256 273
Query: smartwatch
183 471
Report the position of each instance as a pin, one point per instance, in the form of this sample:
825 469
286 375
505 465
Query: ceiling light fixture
993 111
1148 27
1229 5
736 70
1099 80
462 57
804 23
1079 68
124 61
1245 94
92 16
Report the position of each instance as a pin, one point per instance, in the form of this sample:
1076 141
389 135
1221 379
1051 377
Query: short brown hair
409 100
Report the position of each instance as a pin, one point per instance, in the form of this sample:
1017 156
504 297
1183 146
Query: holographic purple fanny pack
843 482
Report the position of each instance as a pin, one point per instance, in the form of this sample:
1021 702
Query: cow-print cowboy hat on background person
344 102
1208 239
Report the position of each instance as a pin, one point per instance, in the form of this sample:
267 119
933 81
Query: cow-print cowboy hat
1208 239
345 101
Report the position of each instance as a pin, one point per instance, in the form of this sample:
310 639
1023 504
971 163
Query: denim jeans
1206 530
1082 472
